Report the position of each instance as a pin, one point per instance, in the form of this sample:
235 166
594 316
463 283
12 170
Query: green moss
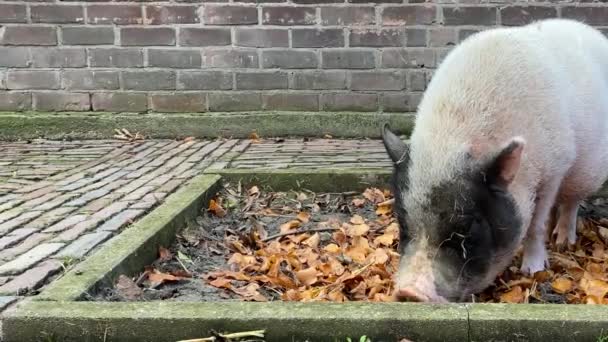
91 125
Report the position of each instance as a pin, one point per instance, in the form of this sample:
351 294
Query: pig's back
546 82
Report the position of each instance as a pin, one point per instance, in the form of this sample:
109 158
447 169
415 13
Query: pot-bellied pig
514 122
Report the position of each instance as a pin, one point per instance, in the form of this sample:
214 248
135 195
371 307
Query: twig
298 231
387 202
253 333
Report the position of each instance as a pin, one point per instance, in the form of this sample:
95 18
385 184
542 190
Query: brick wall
184 56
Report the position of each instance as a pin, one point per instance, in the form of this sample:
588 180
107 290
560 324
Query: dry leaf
332 248
307 276
253 191
313 241
221 283
358 230
128 289
515 295
562 285
358 202
164 254
356 219
289 226
158 278
216 209
303 216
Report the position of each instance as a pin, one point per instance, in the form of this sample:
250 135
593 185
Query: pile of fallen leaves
576 276
263 246
332 261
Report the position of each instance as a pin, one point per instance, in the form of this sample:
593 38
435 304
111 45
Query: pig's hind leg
535 256
565 230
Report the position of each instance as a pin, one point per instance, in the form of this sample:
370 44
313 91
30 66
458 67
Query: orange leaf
159 278
221 282
597 288
379 256
216 209
332 248
303 216
307 276
357 230
384 239
289 226
254 136
515 295
562 285
374 195
384 210
313 241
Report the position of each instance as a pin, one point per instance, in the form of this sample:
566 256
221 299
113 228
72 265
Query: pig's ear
503 168
395 147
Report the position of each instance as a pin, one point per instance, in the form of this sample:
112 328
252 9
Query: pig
513 124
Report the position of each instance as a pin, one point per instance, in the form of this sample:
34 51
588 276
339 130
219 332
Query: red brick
522 15
288 15
114 14
348 16
165 15
12 13
230 15
194 36
595 15
409 15
469 15
59 14
377 38
153 36
28 35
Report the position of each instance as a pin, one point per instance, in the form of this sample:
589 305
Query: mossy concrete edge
284 321
317 180
289 321
137 244
95 125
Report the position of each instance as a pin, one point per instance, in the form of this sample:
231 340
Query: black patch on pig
476 222
399 186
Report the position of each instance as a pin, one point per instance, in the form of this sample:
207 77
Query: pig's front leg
535 252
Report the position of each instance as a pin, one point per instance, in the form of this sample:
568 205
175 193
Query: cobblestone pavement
313 154
61 200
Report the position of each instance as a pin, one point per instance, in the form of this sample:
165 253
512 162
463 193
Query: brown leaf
216 209
127 288
307 276
358 202
562 285
221 283
357 230
158 278
164 254
289 226
187 139
597 288
313 241
379 256
254 136
515 295
250 292
303 216
332 248
374 195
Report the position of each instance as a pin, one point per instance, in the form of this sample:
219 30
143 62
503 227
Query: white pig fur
544 86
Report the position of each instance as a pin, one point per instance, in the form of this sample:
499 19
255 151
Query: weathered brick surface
204 80
73 196
169 39
178 102
35 79
186 59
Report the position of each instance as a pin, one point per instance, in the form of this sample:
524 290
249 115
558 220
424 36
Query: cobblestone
63 199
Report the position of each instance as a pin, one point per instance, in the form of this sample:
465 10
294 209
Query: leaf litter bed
258 245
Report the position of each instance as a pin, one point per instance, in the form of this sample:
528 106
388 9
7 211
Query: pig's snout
411 294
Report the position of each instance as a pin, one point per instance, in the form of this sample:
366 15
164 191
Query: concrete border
59 314
138 244
97 125
330 180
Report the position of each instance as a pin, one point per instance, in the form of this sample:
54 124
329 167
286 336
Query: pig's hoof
535 263
564 240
